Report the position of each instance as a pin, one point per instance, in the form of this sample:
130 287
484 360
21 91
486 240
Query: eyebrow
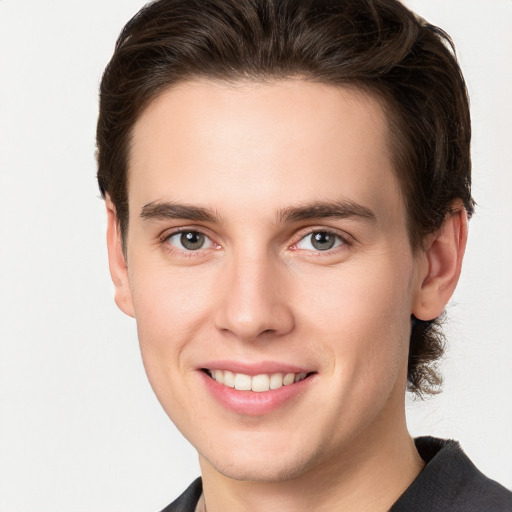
317 210
326 209
169 210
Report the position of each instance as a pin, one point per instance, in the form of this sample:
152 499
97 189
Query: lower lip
252 403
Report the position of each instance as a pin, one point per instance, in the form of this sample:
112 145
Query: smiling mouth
257 383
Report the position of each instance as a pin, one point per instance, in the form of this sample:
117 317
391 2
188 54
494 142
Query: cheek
361 294
169 308
363 314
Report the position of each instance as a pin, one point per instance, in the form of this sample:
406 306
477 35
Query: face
270 272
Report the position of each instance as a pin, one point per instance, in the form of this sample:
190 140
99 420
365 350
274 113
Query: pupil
192 240
323 241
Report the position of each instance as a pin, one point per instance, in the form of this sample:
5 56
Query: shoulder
188 500
450 482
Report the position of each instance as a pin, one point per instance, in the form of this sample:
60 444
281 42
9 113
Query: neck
369 476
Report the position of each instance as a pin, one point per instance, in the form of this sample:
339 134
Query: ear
442 264
117 261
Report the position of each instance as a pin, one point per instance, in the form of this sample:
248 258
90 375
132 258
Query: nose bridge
253 299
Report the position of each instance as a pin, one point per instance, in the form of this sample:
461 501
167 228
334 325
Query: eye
320 241
189 240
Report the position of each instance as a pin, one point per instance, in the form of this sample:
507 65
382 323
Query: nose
254 301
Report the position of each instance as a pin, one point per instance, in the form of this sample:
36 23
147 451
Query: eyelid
207 242
164 237
166 233
346 239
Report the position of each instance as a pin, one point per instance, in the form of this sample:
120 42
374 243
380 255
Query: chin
268 471
257 464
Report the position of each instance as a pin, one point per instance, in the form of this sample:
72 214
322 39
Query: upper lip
254 368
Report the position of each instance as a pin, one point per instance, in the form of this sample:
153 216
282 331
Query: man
288 189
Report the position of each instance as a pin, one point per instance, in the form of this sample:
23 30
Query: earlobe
443 261
117 261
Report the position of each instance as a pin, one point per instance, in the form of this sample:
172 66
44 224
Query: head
176 53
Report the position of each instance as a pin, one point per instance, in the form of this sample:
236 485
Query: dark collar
450 482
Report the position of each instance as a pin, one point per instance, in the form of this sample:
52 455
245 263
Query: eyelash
186 253
340 240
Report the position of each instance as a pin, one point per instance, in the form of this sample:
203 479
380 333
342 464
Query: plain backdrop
80 430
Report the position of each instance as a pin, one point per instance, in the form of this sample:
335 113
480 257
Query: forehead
243 143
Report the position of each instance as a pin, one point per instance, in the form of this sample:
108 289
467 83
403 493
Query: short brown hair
378 45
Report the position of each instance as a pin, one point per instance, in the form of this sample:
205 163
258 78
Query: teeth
228 380
276 381
242 382
289 378
257 383
260 383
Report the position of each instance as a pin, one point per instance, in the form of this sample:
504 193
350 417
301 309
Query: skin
259 291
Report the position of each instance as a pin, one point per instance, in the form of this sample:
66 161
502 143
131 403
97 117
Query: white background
80 430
